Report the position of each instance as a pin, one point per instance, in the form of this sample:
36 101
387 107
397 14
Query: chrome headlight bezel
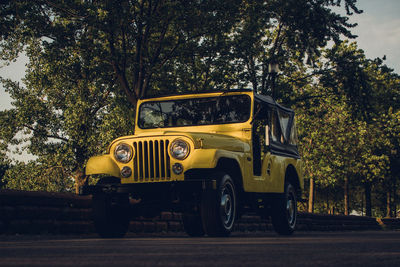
179 149
123 153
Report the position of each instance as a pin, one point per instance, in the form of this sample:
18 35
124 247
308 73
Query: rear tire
219 207
284 211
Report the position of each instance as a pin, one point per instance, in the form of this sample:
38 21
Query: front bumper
139 189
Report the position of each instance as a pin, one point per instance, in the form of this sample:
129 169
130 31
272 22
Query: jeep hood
216 141
200 139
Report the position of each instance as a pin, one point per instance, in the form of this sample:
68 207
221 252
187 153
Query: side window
284 123
276 133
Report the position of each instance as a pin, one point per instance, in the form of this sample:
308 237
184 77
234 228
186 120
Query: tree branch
311 75
47 135
132 97
67 11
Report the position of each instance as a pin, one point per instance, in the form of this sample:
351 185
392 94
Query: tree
91 60
66 110
350 97
133 38
389 126
84 56
370 89
138 38
283 32
339 152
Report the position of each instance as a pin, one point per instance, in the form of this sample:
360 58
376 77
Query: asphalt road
264 249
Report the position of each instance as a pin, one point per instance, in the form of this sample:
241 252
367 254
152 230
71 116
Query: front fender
208 158
102 165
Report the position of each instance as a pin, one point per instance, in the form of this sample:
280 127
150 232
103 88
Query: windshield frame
195 97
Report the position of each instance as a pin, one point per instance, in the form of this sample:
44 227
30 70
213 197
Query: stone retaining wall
61 213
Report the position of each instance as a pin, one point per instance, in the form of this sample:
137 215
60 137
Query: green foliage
348 128
38 176
90 61
129 40
369 86
65 110
153 45
4 166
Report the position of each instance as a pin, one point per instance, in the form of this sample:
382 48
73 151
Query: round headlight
123 153
179 149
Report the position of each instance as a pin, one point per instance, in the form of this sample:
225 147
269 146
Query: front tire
219 207
110 214
284 211
192 224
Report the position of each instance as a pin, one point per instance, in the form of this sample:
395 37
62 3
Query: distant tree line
90 61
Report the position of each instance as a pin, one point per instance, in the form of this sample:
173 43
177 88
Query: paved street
264 249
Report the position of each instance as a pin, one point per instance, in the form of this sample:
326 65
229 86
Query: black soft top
266 99
284 149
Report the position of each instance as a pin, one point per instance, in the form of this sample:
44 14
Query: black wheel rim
291 208
228 206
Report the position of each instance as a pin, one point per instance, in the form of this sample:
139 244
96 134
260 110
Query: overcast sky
378 33
378 30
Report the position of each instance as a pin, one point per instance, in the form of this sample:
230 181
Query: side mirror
267 135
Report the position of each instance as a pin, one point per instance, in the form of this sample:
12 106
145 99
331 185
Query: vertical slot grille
151 162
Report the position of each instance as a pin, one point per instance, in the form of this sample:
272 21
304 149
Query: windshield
194 111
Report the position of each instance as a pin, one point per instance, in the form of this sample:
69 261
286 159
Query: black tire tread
210 208
278 217
110 212
192 224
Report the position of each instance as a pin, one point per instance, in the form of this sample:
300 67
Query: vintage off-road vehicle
212 156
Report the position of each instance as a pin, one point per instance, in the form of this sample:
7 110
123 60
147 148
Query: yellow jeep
212 156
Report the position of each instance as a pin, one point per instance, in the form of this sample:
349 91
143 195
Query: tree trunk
311 196
368 206
80 180
388 204
79 172
346 196
394 199
327 203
